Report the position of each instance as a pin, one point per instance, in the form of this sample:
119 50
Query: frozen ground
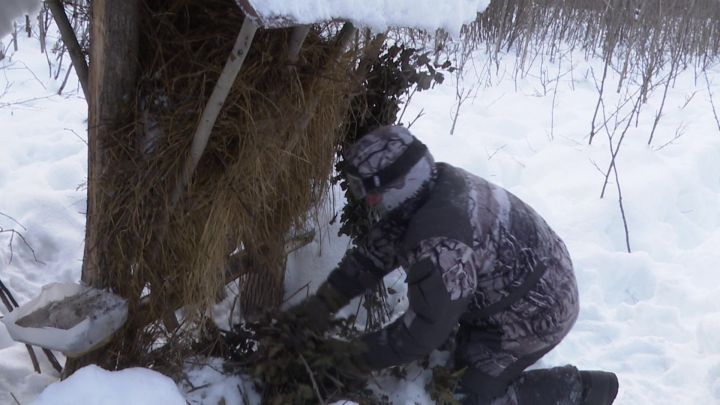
651 315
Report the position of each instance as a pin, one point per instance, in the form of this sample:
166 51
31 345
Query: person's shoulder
444 215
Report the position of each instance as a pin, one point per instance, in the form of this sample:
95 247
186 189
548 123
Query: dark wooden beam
113 70
113 77
71 42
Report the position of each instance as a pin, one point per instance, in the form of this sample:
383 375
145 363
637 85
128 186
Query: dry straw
267 165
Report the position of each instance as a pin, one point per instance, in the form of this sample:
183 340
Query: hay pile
267 164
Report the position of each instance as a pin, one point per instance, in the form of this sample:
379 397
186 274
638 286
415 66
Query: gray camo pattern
509 240
379 149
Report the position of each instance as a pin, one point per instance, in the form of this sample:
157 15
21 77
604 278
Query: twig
622 209
64 82
199 387
554 101
77 135
601 90
407 103
24 101
312 379
12 239
6 300
712 103
688 100
14 220
33 358
617 148
420 114
679 131
34 75
305 287
16 400
462 97
53 360
662 103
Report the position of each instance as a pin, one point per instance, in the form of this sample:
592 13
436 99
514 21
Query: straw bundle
268 162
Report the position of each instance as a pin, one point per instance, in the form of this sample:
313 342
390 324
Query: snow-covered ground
651 315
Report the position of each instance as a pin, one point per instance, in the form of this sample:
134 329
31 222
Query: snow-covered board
68 317
376 14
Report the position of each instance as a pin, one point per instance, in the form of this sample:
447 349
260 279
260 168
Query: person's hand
316 311
313 313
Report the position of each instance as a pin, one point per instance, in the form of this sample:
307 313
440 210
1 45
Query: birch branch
215 104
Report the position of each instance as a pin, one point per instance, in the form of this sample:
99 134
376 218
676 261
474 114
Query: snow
376 14
652 315
93 385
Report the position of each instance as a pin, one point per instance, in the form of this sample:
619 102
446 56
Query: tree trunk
113 70
113 66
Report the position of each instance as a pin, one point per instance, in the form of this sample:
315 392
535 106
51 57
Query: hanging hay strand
267 164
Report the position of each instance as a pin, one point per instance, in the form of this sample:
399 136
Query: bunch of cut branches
294 364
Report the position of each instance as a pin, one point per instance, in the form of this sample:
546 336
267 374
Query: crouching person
475 256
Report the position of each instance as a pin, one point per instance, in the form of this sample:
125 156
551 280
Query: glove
316 311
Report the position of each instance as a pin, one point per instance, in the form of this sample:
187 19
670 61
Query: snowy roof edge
265 21
450 15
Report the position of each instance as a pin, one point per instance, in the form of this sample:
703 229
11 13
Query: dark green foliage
294 364
391 78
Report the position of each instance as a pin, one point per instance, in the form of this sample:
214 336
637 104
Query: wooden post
14 37
113 53
297 38
41 31
113 69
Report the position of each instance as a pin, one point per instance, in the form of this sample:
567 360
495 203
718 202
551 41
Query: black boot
599 387
558 385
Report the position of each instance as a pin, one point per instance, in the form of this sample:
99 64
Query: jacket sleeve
363 267
440 286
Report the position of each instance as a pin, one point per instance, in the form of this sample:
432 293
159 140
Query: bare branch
622 209
72 44
312 379
679 131
14 233
14 220
712 103
417 117
614 152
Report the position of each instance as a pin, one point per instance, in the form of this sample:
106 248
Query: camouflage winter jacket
474 254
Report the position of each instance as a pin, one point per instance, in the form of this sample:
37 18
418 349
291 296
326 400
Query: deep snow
652 315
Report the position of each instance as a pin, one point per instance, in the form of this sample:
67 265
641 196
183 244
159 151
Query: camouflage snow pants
496 350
